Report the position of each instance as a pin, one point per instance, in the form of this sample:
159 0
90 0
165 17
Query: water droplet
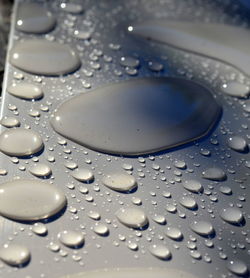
120 181
25 91
225 190
72 8
236 89
155 66
193 186
38 56
39 229
232 215
40 170
127 61
237 267
160 219
203 228
174 233
30 200
82 174
237 143
10 122
160 251
34 18
219 41
214 174
15 254
180 164
132 217
94 215
70 165
71 239
20 142
135 131
101 229
188 202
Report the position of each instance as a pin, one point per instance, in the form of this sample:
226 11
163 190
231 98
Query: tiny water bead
43 57
15 254
214 174
237 143
232 215
132 217
71 239
34 18
160 251
30 200
20 142
202 228
26 91
120 181
220 41
236 89
138 116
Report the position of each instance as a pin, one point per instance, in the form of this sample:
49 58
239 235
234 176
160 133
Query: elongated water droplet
39 56
71 238
30 200
101 229
220 41
160 251
193 186
40 170
82 174
71 8
237 143
174 233
121 181
132 217
214 174
188 202
236 89
25 91
15 254
232 215
10 122
203 228
237 267
140 116
34 18
39 229
20 142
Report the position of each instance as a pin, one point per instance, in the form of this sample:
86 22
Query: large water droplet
193 186
203 228
34 18
214 174
30 200
40 170
10 122
237 267
15 254
121 181
138 116
39 56
20 142
160 251
232 215
220 41
236 89
71 238
132 217
25 90
237 143
188 202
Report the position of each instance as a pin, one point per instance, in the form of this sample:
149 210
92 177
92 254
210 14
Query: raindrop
71 8
188 202
71 239
15 254
174 233
236 89
237 267
40 170
20 142
30 200
203 228
237 143
232 215
193 186
127 61
214 174
101 229
160 251
83 175
120 181
39 229
10 122
25 91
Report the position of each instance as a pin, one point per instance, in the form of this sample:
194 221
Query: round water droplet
160 251
152 123
25 91
39 229
20 142
40 170
214 174
174 233
202 228
232 215
237 143
120 181
30 200
34 18
193 186
236 89
188 202
71 239
132 217
237 267
101 229
15 254
10 122
39 56
82 174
